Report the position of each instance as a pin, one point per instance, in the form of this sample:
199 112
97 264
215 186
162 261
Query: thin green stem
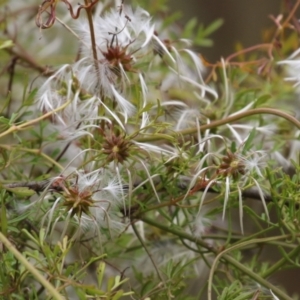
33 151
230 119
52 291
230 260
92 34
281 262
14 128
258 278
178 233
149 254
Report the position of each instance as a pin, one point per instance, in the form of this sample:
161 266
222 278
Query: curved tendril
218 123
52 4
81 6
51 19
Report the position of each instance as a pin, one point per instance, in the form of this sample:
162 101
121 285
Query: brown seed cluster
116 57
116 146
78 201
231 165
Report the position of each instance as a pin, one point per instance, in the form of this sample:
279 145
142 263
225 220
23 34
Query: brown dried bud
78 202
231 165
116 146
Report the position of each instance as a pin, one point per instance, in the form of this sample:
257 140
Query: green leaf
171 19
190 26
249 141
91 290
6 44
4 120
13 118
262 100
5 102
29 100
204 42
118 295
3 220
213 26
100 273
22 192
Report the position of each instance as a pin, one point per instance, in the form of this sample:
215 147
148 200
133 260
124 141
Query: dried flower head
117 57
232 165
116 146
77 201
87 199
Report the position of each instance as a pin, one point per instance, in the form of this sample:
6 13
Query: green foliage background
159 254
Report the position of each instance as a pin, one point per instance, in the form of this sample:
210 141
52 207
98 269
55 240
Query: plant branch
14 128
37 186
33 151
218 123
92 35
291 14
149 254
257 277
24 56
230 260
281 262
40 278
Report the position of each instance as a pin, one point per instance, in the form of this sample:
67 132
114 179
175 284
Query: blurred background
244 21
